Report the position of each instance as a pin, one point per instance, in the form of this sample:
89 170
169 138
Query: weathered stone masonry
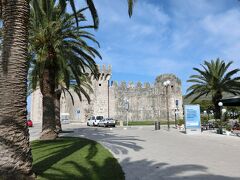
146 101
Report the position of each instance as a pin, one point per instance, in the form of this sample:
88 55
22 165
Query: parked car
91 120
29 123
94 120
107 122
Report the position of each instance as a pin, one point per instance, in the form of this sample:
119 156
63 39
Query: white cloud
225 25
167 36
223 32
194 9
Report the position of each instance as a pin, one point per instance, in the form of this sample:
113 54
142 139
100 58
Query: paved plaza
148 154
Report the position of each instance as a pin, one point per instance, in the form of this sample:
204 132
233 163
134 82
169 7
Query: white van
94 120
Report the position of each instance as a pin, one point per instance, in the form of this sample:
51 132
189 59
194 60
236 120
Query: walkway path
147 154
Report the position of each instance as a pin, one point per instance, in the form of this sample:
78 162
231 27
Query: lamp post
220 104
205 113
223 114
166 84
176 113
127 108
108 85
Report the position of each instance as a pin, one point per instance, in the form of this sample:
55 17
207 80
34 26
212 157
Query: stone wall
146 101
36 106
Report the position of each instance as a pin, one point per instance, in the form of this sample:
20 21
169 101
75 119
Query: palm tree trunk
15 151
215 100
57 110
48 92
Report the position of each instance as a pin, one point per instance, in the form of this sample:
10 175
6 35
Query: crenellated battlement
132 85
105 73
175 82
103 69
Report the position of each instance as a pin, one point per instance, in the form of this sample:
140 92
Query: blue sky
167 36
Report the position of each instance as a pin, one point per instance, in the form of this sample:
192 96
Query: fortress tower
100 98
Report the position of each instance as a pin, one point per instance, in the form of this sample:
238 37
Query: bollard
155 123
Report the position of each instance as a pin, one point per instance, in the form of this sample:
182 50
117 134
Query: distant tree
213 80
205 105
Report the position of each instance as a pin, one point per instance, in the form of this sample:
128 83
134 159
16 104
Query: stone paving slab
146 154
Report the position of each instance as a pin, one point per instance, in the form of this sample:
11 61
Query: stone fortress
135 102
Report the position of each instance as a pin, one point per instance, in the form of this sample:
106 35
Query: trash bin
157 125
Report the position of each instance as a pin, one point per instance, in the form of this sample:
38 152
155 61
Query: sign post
192 119
78 113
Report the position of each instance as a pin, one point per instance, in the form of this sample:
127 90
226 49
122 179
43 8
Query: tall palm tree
214 80
15 153
57 45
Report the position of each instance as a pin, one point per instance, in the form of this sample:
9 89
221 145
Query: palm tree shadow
44 163
144 170
46 168
118 145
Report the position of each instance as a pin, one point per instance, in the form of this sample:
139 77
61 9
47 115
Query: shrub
228 127
181 122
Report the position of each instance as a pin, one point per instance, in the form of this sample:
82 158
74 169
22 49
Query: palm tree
57 45
15 153
214 80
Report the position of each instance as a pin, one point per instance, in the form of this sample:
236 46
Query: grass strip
74 158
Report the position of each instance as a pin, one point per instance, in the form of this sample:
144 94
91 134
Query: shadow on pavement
167 171
110 140
62 132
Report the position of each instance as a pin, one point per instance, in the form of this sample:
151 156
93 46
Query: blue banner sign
192 116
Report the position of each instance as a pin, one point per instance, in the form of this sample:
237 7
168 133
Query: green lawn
74 158
145 123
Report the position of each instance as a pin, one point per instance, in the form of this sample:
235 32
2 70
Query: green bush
228 127
146 123
138 123
204 118
181 122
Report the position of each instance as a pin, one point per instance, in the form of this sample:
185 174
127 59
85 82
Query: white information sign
192 119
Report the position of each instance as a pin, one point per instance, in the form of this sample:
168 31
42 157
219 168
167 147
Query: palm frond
93 13
130 7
